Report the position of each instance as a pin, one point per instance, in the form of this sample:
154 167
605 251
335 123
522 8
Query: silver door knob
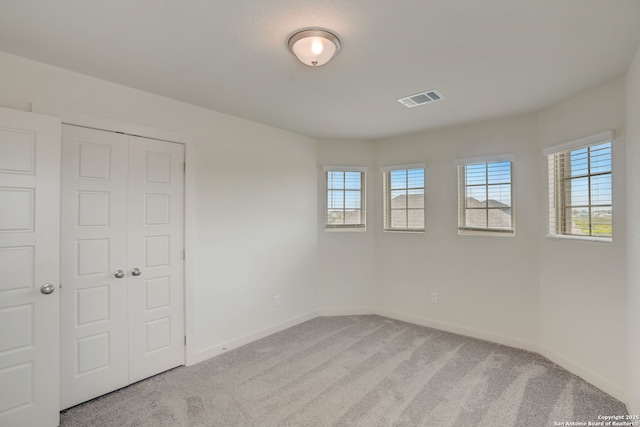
47 288
136 272
119 274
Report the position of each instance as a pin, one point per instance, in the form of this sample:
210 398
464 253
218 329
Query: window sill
400 230
345 229
489 232
581 238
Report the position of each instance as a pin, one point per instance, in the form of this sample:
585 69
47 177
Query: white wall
346 275
582 284
633 234
487 285
256 198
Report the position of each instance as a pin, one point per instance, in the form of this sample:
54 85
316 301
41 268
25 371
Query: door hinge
184 167
184 255
185 340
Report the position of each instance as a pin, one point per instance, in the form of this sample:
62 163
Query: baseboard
499 339
346 311
587 375
215 350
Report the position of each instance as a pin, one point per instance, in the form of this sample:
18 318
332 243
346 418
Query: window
485 200
404 198
345 208
580 190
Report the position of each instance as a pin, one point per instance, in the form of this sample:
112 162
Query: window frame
463 228
362 226
386 197
559 174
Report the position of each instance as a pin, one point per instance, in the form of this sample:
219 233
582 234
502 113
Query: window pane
476 174
601 222
579 162
398 179
579 222
499 196
399 218
601 158
578 192
353 216
353 180
415 178
335 180
476 196
415 218
476 218
487 190
404 199
352 200
499 173
415 200
335 217
335 199
398 199
344 198
601 190
500 218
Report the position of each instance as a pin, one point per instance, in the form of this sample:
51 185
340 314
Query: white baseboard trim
346 311
499 339
215 350
587 375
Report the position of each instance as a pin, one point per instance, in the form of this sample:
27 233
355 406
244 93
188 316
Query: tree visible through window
345 199
485 197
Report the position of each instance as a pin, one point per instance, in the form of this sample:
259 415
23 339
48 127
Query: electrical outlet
276 300
434 297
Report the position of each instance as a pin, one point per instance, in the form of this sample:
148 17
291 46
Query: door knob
119 274
136 272
47 288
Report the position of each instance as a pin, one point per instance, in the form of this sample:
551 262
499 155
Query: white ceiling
489 58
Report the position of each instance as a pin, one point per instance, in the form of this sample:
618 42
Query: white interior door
29 260
94 302
156 242
122 267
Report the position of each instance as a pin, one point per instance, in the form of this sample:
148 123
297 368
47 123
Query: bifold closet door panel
94 302
156 242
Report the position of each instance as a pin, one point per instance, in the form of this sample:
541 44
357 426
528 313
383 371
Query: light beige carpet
356 371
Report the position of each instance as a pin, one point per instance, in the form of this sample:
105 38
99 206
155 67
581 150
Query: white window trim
575 144
586 141
347 228
387 169
494 158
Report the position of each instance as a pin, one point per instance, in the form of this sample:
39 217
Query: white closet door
94 335
29 260
156 218
122 266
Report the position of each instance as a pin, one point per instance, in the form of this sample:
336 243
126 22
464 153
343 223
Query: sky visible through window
344 189
594 161
489 181
404 199
588 191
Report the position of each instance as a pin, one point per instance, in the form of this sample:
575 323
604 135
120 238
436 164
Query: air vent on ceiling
421 98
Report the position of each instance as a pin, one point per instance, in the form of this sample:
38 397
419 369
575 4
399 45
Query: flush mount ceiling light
314 46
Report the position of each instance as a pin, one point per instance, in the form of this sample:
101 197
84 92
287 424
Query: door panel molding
29 259
190 234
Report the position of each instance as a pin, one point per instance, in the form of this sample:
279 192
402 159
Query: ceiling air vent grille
421 98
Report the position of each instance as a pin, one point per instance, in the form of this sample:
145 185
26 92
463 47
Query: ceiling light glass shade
314 47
